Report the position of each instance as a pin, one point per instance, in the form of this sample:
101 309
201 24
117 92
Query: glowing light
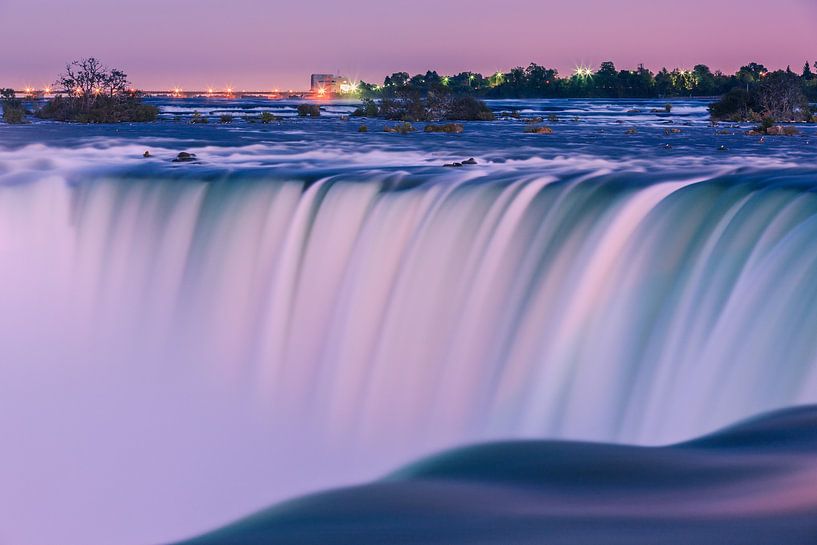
321 91
583 72
97 91
348 87
445 80
47 90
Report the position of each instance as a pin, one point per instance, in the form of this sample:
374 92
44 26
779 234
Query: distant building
331 84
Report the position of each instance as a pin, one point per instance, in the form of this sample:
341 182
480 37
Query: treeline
607 81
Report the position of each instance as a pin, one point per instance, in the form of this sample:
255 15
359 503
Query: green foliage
777 96
409 104
765 124
367 109
104 109
267 117
810 89
535 81
736 105
14 114
466 108
225 119
13 111
309 110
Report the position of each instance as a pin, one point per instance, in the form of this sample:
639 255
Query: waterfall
157 332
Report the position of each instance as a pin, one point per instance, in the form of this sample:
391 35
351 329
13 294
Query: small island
87 92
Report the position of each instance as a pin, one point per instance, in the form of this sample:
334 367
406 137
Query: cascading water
379 323
308 306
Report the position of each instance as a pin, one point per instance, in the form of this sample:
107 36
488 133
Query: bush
765 124
225 119
410 106
13 111
267 117
736 105
468 108
778 97
104 109
309 110
363 128
198 119
367 109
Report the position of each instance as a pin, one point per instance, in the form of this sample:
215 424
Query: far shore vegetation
88 92
535 81
753 93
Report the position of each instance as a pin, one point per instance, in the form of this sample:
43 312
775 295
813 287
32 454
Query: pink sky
259 44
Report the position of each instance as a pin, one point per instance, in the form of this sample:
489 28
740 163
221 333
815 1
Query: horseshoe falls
183 345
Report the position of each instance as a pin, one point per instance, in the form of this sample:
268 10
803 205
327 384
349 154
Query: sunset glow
653 32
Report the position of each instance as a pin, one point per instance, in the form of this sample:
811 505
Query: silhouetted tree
95 94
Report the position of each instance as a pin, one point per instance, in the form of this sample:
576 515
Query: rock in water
184 157
454 128
538 130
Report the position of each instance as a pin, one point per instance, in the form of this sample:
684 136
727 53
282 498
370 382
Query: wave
751 484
